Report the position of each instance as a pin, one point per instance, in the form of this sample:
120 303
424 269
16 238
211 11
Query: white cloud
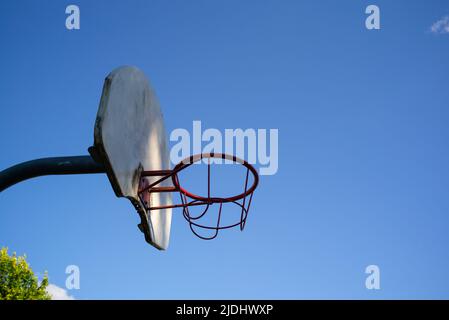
58 293
441 26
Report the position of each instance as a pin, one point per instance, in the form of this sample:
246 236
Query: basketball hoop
188 199
131 148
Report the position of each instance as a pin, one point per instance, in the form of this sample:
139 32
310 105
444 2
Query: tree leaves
17 280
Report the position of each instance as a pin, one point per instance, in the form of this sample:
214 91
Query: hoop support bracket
49 166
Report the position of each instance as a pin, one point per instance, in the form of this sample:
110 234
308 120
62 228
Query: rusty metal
189 199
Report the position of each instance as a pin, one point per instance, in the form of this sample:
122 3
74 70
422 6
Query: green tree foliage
17 280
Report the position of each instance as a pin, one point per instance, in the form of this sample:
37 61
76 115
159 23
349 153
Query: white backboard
130 137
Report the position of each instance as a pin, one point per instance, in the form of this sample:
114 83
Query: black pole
48 166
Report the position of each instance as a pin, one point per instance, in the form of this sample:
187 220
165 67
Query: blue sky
362 117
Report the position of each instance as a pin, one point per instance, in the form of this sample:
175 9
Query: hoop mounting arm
48 166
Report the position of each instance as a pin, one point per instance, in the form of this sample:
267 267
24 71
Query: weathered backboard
130 137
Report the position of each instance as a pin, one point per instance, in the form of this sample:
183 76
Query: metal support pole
48 166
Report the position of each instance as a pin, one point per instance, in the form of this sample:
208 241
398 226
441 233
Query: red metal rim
197 157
